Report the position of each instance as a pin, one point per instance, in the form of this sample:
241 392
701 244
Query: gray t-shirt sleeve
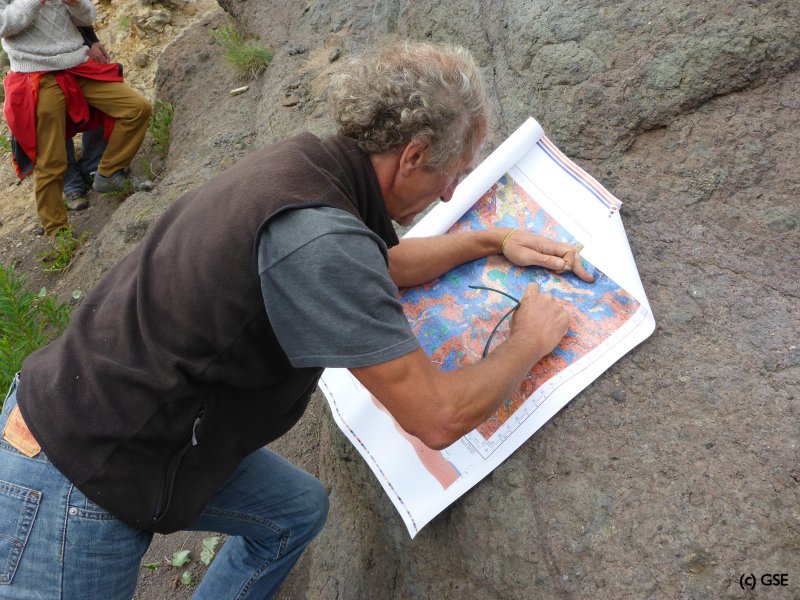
328 293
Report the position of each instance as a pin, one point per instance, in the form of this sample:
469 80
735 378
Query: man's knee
138 108
322 504
144 109
315 508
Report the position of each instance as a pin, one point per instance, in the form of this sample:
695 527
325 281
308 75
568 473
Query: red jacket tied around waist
22 97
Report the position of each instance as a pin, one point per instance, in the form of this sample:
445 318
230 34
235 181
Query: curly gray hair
412 91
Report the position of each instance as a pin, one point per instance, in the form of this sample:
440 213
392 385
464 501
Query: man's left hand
525 249
98 53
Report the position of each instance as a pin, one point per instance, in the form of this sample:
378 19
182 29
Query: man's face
423 186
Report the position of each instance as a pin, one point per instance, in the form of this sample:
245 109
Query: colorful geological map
453 321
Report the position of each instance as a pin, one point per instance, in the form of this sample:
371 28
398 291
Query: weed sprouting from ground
248 56
64 245
5 145
27 322
180 558
160 126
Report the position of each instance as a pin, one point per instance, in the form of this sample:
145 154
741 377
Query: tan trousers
125 104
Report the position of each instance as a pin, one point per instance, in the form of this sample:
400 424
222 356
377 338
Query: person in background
80 172
53 90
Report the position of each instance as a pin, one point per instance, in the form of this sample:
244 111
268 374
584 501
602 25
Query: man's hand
71 2
540 319
98 53
525 249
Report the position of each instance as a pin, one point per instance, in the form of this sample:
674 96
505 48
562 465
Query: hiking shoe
113 183
76 201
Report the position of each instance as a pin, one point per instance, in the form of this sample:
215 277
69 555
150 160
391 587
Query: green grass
248 56
124 21
5 145
60 256
161 125
249 61
27 322
227 35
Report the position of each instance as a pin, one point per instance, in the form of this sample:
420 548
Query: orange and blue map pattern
453 322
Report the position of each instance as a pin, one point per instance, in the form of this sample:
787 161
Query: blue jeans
78 174
55 543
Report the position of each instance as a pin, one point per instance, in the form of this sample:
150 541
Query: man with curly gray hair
151 412
420 113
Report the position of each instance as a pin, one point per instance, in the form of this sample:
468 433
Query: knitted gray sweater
44 37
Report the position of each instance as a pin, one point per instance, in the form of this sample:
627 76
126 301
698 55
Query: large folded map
526 183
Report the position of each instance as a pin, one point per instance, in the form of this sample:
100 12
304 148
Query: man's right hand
540 318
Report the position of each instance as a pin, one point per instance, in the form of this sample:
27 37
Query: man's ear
413 156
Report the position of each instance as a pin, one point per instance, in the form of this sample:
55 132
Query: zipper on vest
196 423
172 469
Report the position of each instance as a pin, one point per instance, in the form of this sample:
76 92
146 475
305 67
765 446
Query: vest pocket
168 483
18 507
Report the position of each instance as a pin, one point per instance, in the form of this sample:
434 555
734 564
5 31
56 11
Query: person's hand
525 249
71 2
540 317
98 53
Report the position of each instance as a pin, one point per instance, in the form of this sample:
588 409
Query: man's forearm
475 392
89 36
415 261
439 407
